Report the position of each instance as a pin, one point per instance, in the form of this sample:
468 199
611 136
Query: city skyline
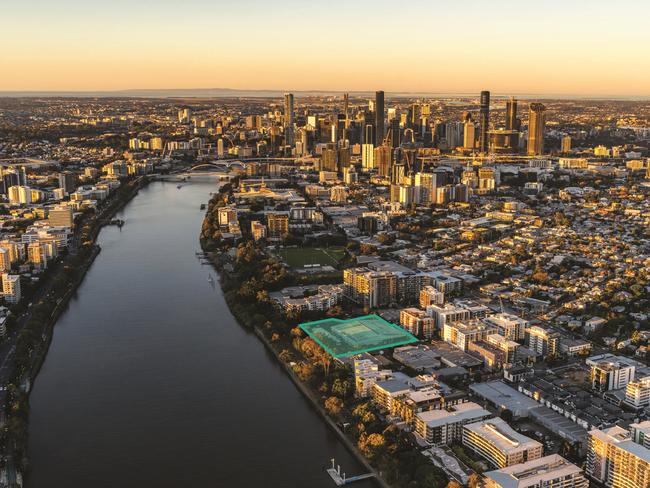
565 50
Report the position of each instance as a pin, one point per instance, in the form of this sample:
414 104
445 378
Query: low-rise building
546 472
438 427
500 444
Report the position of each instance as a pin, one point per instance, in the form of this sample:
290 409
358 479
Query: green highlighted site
342 338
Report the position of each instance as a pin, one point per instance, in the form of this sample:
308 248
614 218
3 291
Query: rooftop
460 413
534 473
500 434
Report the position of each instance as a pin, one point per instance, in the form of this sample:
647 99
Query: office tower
288 118
344 157
253 121
536 122
500 444
616 461
61 216
566 145
346 107
379 118
184 115
398 173
367 156
454 133
369 132
549 471
469 136
383 160
413 116
68 182
395 138
9 178
511 114
426 184
329 159
406 195
484 121
19 194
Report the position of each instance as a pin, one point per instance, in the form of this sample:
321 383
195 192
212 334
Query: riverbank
100 221
307 393
35 327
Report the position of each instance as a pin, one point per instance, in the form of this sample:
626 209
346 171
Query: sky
546 47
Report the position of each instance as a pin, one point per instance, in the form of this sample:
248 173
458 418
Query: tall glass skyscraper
484 120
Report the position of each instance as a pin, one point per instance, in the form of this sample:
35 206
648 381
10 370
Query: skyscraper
383 160
469 137
379 118
68 182
484 120
288 117
536 122
511 114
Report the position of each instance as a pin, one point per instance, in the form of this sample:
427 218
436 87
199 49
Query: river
150 381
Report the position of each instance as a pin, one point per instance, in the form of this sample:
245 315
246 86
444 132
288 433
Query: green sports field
301 257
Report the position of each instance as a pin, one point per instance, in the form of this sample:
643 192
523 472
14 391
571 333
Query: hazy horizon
579 48
200 93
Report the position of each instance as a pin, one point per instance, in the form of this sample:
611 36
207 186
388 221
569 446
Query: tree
334 405
340 388
472 481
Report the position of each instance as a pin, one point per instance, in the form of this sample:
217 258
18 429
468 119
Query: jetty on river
341 479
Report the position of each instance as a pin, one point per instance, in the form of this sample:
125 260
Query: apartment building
11 288
500 444
461 334
370 288
542 341
417 322
447 314
616 461
637 393
508 325
440 427
429 295
551 471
